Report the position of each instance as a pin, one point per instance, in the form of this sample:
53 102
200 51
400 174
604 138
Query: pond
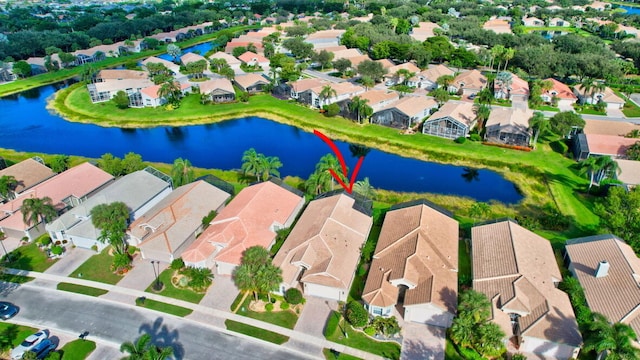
200 49
631 10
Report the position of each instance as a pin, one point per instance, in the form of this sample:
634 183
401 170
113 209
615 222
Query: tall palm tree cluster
8 184
321 180
257 273
598 168
359 107
144 349
259 165
472 327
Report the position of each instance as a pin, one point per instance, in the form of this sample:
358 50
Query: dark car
43 348
7 310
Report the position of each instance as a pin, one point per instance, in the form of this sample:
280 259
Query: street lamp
157 285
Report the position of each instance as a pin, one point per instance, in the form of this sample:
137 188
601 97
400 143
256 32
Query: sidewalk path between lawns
298 336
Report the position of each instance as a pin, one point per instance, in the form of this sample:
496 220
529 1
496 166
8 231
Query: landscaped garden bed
183 283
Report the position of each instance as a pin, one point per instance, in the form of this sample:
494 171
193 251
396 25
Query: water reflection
470 174
176 134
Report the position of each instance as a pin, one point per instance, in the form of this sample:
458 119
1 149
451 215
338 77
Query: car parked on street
7 310
29 343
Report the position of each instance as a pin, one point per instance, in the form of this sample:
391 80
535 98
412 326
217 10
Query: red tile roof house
427 79
405 113
151 98
517 270
253 59
498 26
218 90
451 121
139 190
234 44
565 96
173 224
586 145
321 253
251 82
608 271
468 82
613 101
415 266
250 219
28 173
66 190
518 90
508 126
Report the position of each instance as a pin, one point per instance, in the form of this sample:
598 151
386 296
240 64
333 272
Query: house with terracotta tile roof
66 190
517 90
517 271
451 121
235 43
565 96
508 126
378 99
424 30
586 145
322 252
218 90
468 82
405 112
151 97
628 173
174 68
163 232
140 191
608 271
253 59
250 219
346 54
231 60
190 57
28 173
415 266
498 26
427 79
593 97
251 82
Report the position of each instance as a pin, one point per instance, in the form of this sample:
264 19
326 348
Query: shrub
199 278
269 307
94 248
386 326
177 264
461 140
518 357
284 305
44 240
56 250
332 323
121 262
293 296
370 330
475 137
331 110
243 96
54 356
356 314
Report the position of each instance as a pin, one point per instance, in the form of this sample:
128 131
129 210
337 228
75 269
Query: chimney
603 269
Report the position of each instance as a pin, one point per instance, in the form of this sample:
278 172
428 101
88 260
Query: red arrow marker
335 149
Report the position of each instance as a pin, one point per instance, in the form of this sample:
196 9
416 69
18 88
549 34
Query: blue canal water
200 49
631 10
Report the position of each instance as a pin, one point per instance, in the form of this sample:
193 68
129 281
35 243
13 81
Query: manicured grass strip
98 268
16 333
29 257
331 355
284 318
77 349
256 332
174 292
15 278
79 289
358 340
164 307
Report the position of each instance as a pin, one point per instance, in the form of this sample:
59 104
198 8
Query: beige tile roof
433 73
192 57
617 295
110 74
607 127
517 269
327 239
152 91
375 96
386 63
462 112
245 222
206 87
341 88
326 34
117 85
609 144
231 60
470 79
306 84
629 171
167 225
168 64
28 173
356 60
423 31
250 79
419 245
333 49
346 54
413 105
608 95
509 116
497 26
518 86
562 91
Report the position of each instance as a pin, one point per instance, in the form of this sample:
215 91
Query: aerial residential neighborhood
320 180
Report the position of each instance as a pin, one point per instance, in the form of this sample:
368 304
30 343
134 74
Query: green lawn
77 349
284 318
358 340
256 332
164 307
174 292
545 108
16 333
334 355
29 257
79 289
98 268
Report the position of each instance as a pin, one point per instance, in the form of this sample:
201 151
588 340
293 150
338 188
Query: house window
377 311
554 93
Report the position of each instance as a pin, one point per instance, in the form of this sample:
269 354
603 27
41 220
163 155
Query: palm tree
367 82
586 84
489 342
611 341
358 105
157 353
540 123
444 81
496 52
589 166
607 166
269 278
8 183
174 51
364 188
441 95
485 96
482 114
218 63
508 54
182 172
405 74
479 209
169 90
475 304
462 330
137 350
245 279
37 210
321 180
504 79
250 162
326 93
598 87
269 165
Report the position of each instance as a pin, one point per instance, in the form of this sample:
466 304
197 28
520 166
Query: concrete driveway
422 342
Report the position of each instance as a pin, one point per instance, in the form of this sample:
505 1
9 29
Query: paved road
115 323
321 75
